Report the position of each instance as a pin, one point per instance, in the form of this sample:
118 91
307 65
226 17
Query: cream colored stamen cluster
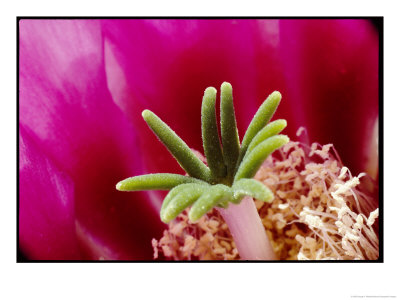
208 239
319 212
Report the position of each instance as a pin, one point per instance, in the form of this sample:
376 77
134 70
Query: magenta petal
166 66
65 101
331 69
327 71
46 228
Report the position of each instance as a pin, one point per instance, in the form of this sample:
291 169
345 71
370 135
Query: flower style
83 84
233 165
228 178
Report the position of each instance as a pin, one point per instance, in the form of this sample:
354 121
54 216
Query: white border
198 281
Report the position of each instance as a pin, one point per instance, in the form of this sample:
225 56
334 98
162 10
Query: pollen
283 206
372 216
320 212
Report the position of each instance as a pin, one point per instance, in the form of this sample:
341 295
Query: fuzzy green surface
209 130
229 131
216 195
251 188
269 130
181 197
249 166
178 148
158 181
179 189
260 119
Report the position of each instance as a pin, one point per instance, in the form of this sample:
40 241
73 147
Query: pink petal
165 66
46 228
331 70
327 71
64 100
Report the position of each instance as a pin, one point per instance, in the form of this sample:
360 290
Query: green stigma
227 177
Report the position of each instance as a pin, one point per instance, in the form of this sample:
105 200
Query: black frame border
377 21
